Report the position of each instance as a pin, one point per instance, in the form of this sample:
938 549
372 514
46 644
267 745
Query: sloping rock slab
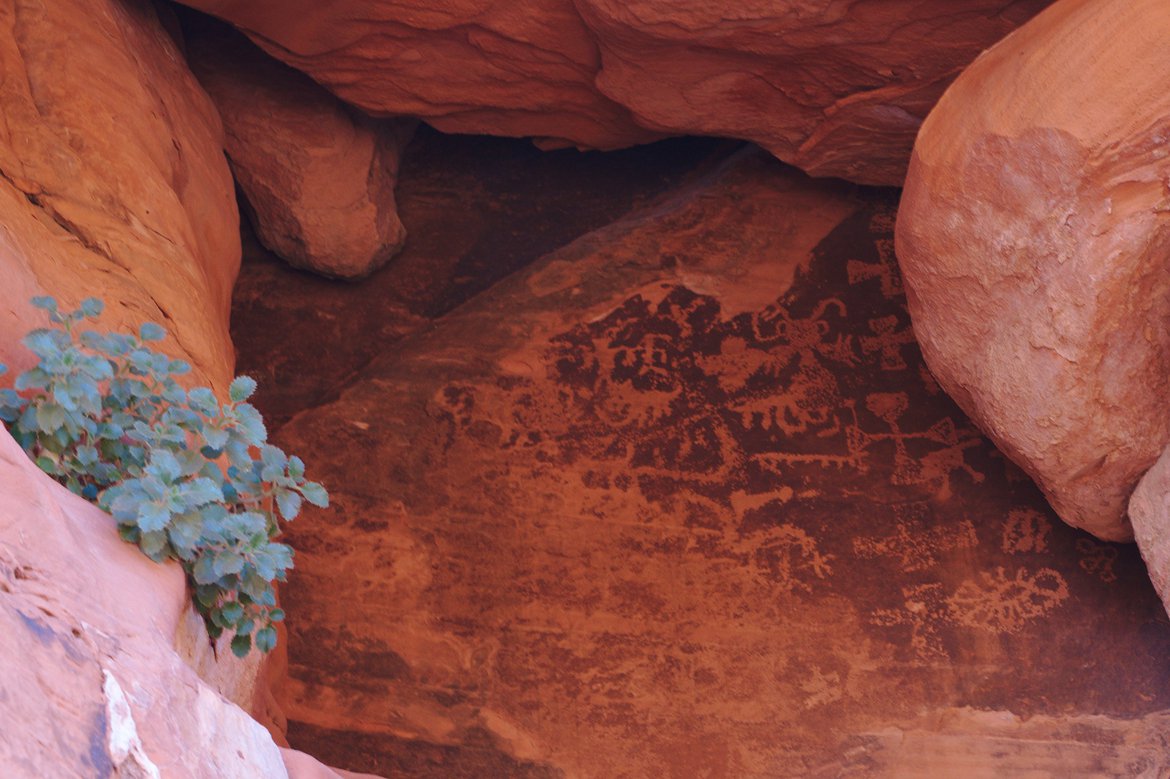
682 500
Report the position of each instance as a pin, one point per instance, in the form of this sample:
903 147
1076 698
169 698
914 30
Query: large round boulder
1033 235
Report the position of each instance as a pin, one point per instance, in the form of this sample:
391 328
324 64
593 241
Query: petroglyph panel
681 501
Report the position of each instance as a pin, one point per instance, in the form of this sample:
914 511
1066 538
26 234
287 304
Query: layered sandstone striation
318 175
838 90
112 179
1033 235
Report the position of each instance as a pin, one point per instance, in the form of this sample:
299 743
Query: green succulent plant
186 476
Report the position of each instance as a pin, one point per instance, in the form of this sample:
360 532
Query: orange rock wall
112 178
837 89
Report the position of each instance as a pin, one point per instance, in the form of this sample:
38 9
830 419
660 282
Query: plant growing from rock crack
186 477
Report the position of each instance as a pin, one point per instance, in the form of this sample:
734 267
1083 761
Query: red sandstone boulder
838 91
319 177
472 66
1149 511
1033 238
112 178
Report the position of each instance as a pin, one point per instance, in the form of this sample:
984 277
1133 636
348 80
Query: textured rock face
91 684
318 176
112 178
473 66
90 681
623 514
836 90
1033 237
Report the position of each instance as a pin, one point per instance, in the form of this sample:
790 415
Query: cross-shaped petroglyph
885 270
888 340
932 469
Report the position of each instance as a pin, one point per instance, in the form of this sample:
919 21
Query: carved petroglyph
993 601
1026 530
787 558
885 271
821 687
1098 559
1004 603
925 611
916 549
882 221
887 340
932 469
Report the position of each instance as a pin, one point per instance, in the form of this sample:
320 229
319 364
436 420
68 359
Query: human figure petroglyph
924 611
888 341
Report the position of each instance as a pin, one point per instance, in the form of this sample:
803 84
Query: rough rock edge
81 605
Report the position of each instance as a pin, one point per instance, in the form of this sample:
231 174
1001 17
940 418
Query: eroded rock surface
112 178
838 89
469 66
318 176
91 684
626 513
1033 236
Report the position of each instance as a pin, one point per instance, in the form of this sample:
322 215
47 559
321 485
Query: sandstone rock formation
1033 237
471 66
113 184
624 512
318 176
112 178
837 90
91 685
1149 512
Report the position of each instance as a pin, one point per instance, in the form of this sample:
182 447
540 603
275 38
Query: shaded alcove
802 546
